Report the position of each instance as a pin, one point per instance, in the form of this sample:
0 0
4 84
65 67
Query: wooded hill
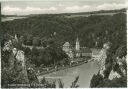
58 27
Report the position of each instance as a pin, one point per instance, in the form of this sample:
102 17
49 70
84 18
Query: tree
96 80
29 39
36 41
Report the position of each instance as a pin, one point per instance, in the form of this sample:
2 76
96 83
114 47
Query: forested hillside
51 31
90 29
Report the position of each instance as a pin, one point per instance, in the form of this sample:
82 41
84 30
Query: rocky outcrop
112 69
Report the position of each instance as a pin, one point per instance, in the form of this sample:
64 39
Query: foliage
94 28
47 84
40 31
61 84
113 65
114 83
96 80
48 55
36 41
13 76
74 83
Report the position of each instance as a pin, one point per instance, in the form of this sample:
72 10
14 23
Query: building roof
85 50
66 44
95 51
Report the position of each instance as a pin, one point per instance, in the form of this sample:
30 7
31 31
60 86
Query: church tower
77 48
77 44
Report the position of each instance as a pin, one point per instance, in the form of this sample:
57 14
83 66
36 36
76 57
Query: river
85 72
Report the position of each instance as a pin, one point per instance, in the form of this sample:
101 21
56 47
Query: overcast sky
59 6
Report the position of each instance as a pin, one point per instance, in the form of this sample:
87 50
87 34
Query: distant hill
88 13
101 11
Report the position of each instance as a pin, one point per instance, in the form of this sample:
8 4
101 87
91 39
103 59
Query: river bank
85 71
62 68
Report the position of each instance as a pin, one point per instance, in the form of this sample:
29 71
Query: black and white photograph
63 43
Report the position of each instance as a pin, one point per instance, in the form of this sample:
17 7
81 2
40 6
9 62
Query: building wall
86 54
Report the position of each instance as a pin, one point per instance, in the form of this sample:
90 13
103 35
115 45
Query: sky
10 7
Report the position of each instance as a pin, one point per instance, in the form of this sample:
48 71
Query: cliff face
114 71
16 71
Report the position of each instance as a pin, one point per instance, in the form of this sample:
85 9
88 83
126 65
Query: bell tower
77 48
77 44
